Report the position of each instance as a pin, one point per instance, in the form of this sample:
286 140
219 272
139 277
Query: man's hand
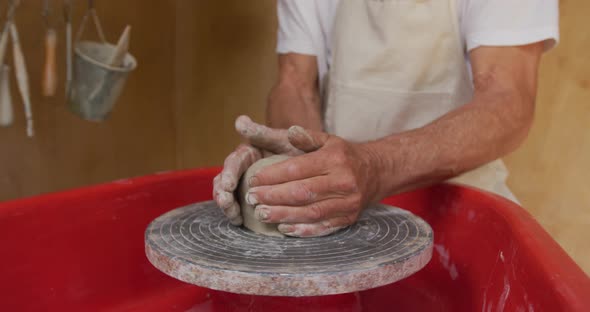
261 140
317 193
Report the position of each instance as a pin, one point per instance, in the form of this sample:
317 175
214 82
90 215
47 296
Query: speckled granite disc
197 244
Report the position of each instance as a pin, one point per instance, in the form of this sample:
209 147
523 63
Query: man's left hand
317 193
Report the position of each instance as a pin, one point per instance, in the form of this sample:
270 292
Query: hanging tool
6 114
49 79
22 77
6 111
68 21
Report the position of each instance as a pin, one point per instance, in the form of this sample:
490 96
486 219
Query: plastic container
83 250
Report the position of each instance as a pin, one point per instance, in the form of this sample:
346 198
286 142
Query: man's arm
295 99
493 124
331 185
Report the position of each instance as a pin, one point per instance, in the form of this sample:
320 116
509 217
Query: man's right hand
261 140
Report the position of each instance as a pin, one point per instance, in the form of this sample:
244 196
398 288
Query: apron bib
398 65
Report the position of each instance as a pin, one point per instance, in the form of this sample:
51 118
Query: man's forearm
492 125
289 105
295 98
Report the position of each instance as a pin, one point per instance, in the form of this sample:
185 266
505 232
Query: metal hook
92 12
12 4
67 7
45 12
67 10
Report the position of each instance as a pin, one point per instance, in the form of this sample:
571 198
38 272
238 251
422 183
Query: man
388 96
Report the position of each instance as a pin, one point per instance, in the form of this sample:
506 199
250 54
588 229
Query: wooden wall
202 63
550 173
67 151
225 66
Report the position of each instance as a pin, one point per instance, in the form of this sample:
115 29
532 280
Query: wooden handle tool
22 78
49 80
121 49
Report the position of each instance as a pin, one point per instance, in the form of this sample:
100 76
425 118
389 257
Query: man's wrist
398 164
380 169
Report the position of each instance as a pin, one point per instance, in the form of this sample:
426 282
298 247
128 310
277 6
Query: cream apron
398 65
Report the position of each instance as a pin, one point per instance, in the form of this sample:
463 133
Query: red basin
83 250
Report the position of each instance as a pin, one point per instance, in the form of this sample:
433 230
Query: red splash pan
83 250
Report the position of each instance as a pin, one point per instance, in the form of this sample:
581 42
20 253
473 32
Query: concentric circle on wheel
197 244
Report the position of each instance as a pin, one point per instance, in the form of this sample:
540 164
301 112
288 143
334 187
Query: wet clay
250 220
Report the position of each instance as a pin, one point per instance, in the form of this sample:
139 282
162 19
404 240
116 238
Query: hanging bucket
96 85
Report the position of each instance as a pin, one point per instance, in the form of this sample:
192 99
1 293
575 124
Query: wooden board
198 245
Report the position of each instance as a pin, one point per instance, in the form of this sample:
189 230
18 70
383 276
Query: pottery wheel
196 244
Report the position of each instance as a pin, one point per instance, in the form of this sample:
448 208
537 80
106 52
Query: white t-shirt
305 26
